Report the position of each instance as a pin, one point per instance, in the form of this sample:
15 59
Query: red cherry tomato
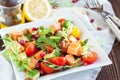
61 61
90 57
45 68
30 49
61 20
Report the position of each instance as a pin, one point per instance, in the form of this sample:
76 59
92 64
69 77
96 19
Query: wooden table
112 72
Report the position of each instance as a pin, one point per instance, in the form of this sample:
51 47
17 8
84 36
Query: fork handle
113 27
115 20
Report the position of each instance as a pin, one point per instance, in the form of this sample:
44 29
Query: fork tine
100 2
93 4
88 4
96 3
85 6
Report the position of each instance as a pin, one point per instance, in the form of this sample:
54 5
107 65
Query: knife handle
116 20
113 27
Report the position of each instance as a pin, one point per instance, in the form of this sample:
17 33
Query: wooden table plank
112 72
116 6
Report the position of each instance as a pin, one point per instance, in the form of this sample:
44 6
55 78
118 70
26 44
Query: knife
113 25
115 19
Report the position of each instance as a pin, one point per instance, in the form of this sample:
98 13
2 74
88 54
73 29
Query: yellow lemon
36 9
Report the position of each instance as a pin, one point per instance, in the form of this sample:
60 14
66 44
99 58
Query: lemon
36 9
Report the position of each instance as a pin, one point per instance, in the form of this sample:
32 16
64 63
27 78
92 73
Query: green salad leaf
56 39
66 24
14 48
45 40
45 31
29 37
67 27
83 43
62 34
13 51
57 52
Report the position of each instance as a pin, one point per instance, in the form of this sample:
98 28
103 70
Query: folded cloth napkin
6 72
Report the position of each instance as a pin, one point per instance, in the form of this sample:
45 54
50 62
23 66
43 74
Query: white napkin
6 72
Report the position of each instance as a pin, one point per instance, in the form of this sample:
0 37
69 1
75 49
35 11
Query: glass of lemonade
10 12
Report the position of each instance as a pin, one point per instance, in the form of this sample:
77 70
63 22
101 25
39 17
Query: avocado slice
48 56
33 74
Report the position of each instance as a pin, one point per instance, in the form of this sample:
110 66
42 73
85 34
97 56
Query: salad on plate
39 51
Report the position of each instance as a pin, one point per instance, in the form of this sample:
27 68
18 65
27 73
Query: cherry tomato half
30 49
45 68
90 57
61 20
61 61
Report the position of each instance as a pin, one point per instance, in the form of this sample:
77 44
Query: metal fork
112 21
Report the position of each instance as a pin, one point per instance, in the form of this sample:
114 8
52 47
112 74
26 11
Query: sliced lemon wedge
36 9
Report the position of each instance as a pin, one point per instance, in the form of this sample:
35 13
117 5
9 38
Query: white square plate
102 57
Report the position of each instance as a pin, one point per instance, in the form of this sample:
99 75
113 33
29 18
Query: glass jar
10 12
